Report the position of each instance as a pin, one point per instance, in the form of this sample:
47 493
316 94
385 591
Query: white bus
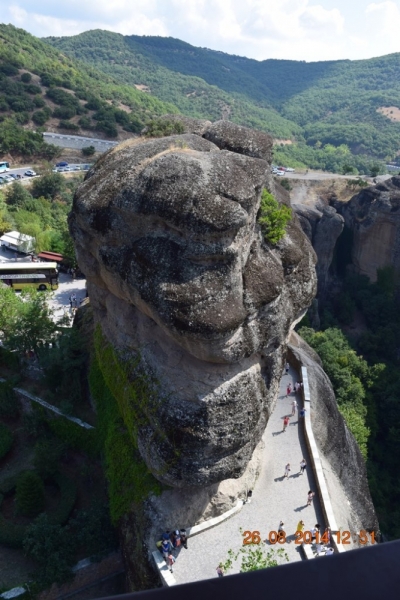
19 275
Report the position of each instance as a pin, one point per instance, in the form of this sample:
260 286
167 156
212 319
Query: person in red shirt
285 422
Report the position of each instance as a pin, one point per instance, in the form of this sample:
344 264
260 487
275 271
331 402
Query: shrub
40 117
50 545
47 456
88 151
26 77
273 218
30 494
6 440
163 127
68 125
9 405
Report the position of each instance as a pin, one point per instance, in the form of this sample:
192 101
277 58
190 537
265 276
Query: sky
308 30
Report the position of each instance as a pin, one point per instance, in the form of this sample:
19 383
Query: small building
18 242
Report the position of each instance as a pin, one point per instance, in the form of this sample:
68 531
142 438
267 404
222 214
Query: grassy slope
27 53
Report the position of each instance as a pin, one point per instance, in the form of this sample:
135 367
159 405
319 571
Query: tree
29 494
17 195
25 320
374 170
273 218
52 547
88 150
48 186
255 557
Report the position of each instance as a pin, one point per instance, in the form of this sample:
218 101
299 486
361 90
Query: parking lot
58 299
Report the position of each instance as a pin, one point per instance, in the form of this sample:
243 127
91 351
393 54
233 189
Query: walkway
274 499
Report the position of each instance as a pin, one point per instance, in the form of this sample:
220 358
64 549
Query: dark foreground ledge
366 574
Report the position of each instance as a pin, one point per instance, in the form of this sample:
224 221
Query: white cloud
297 29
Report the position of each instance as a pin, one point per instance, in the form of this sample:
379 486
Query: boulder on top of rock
229 136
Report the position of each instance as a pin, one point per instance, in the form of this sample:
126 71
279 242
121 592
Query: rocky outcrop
181 280
322 226
373 215
344 467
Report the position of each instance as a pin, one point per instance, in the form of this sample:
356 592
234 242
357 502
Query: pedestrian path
274 498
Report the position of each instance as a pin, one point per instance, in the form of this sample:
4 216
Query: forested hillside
334 103
41 87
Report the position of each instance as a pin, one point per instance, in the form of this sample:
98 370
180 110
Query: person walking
294 406
285 423
183 535
300 527
170 561
287 366
220 570
166 549
310 497
287 470
288 389
303 465
302 413
314 532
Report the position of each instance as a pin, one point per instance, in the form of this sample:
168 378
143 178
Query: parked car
30 173
62 164
280 173
289 169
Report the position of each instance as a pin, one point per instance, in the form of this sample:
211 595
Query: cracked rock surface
178 271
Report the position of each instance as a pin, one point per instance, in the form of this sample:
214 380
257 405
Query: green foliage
47 456
130 482
64 366
6 440
9 405
51 546
163 127
25 320
19 98
88 150
29 494
75 436
48 186
255 557
350 376
273 218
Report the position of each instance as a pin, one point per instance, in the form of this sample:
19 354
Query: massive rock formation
179 274
322 225
373 215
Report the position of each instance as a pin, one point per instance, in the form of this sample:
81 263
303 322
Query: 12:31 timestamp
308 537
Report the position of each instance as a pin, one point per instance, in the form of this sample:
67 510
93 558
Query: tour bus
4 166
19 275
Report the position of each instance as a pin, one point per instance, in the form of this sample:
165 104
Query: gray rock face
322 227
344 467
165 231
373 215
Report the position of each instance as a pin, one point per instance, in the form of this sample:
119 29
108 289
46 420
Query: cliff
190 295
373 215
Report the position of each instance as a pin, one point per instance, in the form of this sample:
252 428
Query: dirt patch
391 112
143 88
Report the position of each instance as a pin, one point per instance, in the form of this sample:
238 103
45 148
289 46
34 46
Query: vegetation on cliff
365 372
273 217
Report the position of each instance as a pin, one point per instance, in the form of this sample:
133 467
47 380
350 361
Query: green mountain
40 87
316 104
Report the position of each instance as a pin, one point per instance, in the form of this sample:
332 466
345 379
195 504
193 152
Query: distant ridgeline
40 88
342 114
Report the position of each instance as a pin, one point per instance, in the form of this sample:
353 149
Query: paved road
274 499
77 141
322 176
